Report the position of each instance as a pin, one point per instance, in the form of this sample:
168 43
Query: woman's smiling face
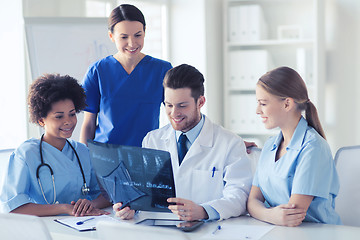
270 108
128 37
60 122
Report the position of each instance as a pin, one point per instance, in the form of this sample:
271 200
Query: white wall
196 39
214 59
12 91
343 73
187 33
54 8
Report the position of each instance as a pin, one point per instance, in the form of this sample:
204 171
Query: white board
66 45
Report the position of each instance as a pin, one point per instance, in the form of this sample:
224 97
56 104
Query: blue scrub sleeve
16 185
92 90
314 171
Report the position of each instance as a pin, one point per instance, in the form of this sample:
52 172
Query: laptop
141 178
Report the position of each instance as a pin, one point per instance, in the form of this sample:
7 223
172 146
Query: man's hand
248 146
187 210
123 213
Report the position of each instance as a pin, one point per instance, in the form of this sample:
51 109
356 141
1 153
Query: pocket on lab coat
207 185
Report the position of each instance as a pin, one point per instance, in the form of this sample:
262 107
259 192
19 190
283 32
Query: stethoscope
84 189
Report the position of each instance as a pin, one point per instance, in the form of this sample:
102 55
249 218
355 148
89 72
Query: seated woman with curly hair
52 175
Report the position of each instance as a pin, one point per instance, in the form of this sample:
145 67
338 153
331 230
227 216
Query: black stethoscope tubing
85 189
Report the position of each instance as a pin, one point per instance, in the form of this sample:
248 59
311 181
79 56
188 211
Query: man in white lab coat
211 169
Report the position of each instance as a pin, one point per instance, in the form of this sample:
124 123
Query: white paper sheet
235 231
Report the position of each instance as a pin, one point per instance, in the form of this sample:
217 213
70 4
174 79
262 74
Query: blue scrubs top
128 105
20 185
306 168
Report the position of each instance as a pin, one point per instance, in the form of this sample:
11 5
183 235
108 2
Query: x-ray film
141 178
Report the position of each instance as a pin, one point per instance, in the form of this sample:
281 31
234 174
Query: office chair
254 156
128 231
19 227
347 160
4 159
4 155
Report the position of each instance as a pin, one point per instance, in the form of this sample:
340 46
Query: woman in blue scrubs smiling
124 91
296 179
52 175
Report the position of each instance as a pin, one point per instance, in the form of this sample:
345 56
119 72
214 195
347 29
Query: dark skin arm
82 207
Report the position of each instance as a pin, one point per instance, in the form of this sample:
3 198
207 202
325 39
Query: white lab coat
227 188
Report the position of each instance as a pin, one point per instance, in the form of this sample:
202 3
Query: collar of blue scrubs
297 138
193 133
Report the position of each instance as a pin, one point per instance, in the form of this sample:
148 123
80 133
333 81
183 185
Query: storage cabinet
260 35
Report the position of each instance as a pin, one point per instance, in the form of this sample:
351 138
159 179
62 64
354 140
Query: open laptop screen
141 178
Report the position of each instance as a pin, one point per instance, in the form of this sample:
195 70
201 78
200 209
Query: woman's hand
187 210
97 212
287 215
123 213
84 207
81 207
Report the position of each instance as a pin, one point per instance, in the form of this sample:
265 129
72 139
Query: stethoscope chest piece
85 189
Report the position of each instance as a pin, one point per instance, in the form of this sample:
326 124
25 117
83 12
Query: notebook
141 178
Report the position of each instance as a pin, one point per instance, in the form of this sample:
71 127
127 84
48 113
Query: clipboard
86 225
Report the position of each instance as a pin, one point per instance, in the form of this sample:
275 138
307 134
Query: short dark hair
125 12
185 76
51 88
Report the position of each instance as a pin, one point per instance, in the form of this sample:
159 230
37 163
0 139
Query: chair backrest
128 231
347 160
4 155
18 227
254 156
4 159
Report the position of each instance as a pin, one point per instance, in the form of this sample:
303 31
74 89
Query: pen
213 171
217 229
82 222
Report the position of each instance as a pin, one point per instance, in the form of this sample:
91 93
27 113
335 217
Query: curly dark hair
51 88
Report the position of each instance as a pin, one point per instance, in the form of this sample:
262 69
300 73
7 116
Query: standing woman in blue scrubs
296 179
124 91
56 186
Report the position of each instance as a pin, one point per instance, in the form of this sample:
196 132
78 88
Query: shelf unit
260 35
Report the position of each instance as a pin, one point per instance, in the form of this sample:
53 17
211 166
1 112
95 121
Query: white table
304 231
